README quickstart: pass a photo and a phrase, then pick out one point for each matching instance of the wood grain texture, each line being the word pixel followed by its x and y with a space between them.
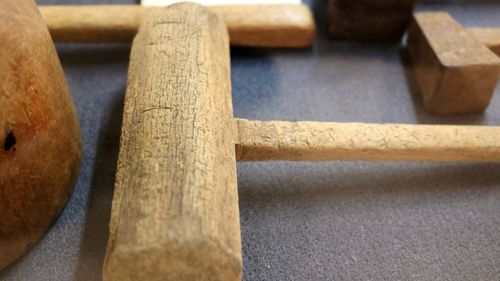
pixel 456 73
pixel 285 25
pixel 380 20
pixel 489 37
pixel 175 208
pixel 39 132
pixel 321 141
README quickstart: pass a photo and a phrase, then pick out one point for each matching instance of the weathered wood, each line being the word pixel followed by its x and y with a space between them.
pixel 175 208
pixel 489 37
pixel 39 133
pixel 322 141
pixel 456 73
pixel 384 20
pixel 249 25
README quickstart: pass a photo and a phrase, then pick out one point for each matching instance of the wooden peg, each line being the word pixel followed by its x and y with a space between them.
pixel 278 25
pixel 456 73
pixel 175 208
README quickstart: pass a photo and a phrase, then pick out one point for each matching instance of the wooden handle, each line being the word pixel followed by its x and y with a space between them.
pixel 317 141
pixel 290 25
pixel 175 208
pixel 488 36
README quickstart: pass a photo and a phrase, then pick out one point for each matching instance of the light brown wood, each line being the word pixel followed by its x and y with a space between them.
pixel 456 73
pixel 321 141
pixel 39 133
pixel 175 208
pixel 285 25
pixel 489 37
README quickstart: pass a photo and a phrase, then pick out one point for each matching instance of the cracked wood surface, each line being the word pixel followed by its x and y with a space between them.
pixel 175 207
pixel 322 141
pixel 279 25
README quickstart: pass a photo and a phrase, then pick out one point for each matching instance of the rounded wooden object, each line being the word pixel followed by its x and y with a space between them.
pixel 39 132
pixel 175 207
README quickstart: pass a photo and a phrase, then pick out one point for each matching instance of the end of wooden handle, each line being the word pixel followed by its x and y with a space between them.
pixel 279 25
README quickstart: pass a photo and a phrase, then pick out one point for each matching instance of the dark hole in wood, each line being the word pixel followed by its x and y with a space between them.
pixel 10 141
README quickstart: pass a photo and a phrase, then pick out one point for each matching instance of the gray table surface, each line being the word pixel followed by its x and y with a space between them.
pixel 301 221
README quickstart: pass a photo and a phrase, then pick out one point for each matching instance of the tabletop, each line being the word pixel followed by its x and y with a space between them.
pixel 301 221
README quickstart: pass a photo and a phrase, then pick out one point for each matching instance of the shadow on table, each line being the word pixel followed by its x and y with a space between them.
pixel 349 181
pixel 95 233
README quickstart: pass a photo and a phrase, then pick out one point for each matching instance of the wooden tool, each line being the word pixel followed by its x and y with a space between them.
pixel 278 25
pixel 175 209
pixel 456 72
pixel 39 131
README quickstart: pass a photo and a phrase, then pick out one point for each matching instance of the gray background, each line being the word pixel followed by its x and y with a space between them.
pixel 302 221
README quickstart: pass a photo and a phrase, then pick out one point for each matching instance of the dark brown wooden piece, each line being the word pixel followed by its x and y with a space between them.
pixel 383 20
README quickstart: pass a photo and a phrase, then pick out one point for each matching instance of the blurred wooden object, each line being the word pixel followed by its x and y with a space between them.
pixel 489 37
pixel 378 20
pixel 457 74
pixel 279 25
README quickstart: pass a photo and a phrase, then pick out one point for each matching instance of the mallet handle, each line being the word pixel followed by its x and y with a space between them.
pixel 278 25
pixel 175 207
pixel 488 36
pixel 321 141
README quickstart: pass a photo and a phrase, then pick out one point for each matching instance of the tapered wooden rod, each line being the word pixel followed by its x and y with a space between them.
pixel 317 141
pixel 488 36
pixel 278 25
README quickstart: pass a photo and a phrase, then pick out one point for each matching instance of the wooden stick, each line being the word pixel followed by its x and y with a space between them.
pixel 175 208
pixel 286 25
pixel 489 37
pixel 316 141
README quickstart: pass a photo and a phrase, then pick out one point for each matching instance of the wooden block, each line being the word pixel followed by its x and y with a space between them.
pixel 384 20
pixel 456 73
pixel 175 207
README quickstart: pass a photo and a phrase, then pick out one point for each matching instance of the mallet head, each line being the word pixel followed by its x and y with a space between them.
pixel 456 73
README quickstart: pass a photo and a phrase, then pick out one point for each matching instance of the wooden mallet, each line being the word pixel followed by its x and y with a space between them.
pixel 454 68
pixel 175 209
